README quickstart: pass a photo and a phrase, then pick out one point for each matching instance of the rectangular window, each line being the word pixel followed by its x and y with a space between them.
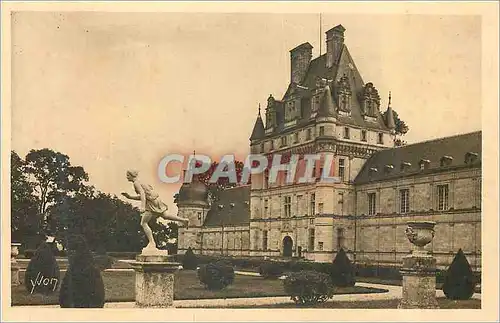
pixel 288 206
pixel 266 208
pixel 380 138
pixel 341 168
pixel 272 144
pixel 320 208
pixel 340 238
pixel 404 201
pixel 264 240
pixel 262 147
pixel 296 137
pixel 442 197
pixel 320 246
pixel 363 135
pixel 311 240
pixel 322 131
pixel 283 141
pixel 199 215
pixel 346 133
pixel 313 204
pixel 308 134
pixel 371 203
pixel 299 204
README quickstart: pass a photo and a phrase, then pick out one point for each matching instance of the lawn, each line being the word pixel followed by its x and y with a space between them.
pixel 119 287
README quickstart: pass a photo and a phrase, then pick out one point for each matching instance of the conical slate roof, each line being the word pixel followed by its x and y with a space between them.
pixel 258 131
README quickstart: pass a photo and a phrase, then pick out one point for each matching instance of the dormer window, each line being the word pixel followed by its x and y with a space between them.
pixel 446 161
pixel 344 94
pixel 470 157
pixel 405 166
pixel 424 164
pixel 388 168
pixel 272 144
pixel 262 147
pixel 221 206
pixel 371 100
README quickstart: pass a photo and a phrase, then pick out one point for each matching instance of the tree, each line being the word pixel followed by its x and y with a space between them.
pixel 23 203
pixel 400 130
pixel 82 286
pixel 342 270
pixel 459 282
pixel 42 273
pixel 54 179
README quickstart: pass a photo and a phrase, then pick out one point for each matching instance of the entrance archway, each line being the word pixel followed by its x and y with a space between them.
pixel 287 246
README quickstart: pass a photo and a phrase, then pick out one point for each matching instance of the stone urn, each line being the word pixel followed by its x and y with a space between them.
pixel 420 234
pixel 14 251
pixel 14 268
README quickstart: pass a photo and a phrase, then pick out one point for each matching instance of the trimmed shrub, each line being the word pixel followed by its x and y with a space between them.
pixel 343 274
pixel 308 287
pixel 104 262
pixel 42 274
pixel 82 286
pixel 189 261
pixel 271 270
pixel 459 280
pixel 216 275
pixel 29 253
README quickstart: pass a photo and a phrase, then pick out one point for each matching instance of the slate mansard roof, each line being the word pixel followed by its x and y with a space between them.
pixel 437 155
pixel 232 208
pixel 344 66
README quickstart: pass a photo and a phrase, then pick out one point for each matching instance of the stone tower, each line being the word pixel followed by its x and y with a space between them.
pixel 192 203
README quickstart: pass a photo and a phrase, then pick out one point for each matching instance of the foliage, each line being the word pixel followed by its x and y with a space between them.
pixel 459 281
pixel 53 177
pixel 308 287
pixel 271 270
pixel 82 286
pixel 189 261
pixel 343 274
pixel 216 275
pixel 24 205
pixel 42 274
pixel 400 130
pixel 104 262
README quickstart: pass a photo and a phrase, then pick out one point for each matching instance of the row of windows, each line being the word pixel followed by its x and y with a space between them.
pixel 287 202
pixel 311 240
pixel 295 137
pixel 404 200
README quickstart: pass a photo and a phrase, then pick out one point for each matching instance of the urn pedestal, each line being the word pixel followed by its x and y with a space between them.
pixel 154 279
pixel 14 266
pixel 419 269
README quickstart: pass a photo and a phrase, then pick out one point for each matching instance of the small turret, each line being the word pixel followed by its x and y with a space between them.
pixel 258 129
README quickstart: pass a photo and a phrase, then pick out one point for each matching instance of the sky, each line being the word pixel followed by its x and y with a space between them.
pixel 118 91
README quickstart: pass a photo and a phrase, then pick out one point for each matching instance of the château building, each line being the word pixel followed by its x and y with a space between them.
pixel 328 109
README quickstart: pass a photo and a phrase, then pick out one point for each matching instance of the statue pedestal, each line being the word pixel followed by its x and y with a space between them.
pixel 419 282
pixel 154 279
pixel 14 266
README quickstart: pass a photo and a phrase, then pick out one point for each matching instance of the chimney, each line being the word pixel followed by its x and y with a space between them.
pixel 300 57
pixel 334 44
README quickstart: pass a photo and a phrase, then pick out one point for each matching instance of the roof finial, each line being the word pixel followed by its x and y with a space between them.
pixel 389 99
pixel 259 109
pixel 194 153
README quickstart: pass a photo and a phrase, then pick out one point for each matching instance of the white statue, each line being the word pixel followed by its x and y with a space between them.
pixel 151 207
